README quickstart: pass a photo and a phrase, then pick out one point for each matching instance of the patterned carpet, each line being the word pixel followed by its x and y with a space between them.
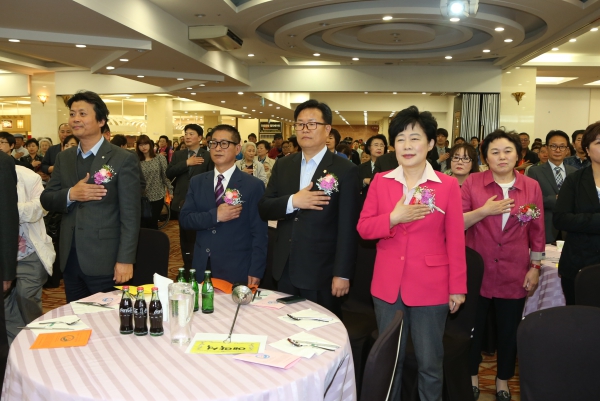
pixel 55 297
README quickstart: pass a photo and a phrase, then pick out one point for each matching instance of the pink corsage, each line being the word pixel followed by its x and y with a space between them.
pixel 425 196
pixel 232 197
pixel 104 175
pixel 527 213
pixel 328 183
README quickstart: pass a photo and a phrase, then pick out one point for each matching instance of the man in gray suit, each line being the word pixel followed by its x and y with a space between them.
pixel 550 176
pixel 94 185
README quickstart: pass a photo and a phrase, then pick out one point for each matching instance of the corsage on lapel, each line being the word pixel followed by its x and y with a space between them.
pixel 232 197
pixel 328 183
pixel 104 175
pixel 527 213
pixel 425 196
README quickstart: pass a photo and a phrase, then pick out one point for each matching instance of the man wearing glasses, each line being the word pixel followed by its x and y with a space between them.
pixel 550 176
pixel 230 239
pixel 184 165
pixel 314 195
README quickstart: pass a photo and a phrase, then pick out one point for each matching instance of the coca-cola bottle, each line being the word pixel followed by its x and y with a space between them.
pixel 156 314
pixel 126 312
pixel 140 314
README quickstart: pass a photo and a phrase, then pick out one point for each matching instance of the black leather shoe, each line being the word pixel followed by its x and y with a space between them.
pixel 502 396
pixel 475 392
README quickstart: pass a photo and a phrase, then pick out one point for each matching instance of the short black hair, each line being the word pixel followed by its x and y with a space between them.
pixel 475 137
pixel 344 147
pixel 166 138
pixel 266 144
pixel 253 135
pixel 294 141
pixel 336 136
pixel 277 136
pixel 194 127
pixel 538 140
pixel 459 138
pixel 95 100
pixel 470 151
pixel 411 116
pixel 231 129
pixel 315 104
pixel 119 140
pixel 32 140
pixel 9 138
pixel 371 139
pixel 576 133
pixel 441 131
pixel 554 133
pixel 499 134
pixel 591 133
pixel 68 138
pixel 524 133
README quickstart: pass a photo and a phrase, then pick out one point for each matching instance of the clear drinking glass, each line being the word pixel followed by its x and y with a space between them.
pixel 181 312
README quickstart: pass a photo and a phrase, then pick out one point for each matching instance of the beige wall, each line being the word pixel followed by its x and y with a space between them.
pixel 518 116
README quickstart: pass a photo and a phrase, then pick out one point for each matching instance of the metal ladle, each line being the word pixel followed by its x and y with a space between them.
pixel 241 295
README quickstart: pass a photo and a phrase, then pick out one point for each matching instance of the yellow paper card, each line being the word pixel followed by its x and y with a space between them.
pixel 133 289
pixel 221 348
pixel 62 339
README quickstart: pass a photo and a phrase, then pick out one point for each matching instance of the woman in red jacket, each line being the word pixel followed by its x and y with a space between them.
pixel 420 267
pixel 504 218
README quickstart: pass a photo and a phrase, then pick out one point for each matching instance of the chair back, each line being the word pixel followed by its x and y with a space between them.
pixel 152 256
pixel 587 286
pixel 558 354
pixel 381 363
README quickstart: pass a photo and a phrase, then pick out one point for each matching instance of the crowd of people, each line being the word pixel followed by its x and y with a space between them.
pixel 422 200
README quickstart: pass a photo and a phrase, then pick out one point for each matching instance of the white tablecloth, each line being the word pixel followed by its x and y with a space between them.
pixel 126 367
pixel 549 293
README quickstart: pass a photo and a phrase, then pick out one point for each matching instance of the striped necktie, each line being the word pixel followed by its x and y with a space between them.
pixel 559 177
pixel 219 190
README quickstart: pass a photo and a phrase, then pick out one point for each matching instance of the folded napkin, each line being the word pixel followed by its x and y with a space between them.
pixel 272 358
pixel 268 300
pixel 308 324
pixel 306 351
pixel 100 297
pixel 163 293
pixel 68 319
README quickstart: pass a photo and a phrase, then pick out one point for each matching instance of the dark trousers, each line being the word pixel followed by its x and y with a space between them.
pixel 3 345
pixel 508 315
pixel 187 239
pixel 323 296
pixel 568 287
pixel 79 285
pixel 152 222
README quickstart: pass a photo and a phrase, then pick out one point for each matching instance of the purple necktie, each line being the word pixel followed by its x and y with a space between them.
pixel 219 190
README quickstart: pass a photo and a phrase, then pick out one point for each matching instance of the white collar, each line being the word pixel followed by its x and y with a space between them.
pixel 428 175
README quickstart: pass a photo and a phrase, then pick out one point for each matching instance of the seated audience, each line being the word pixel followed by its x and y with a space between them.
pixel 249 163
pixel 262 156
pixel 580 159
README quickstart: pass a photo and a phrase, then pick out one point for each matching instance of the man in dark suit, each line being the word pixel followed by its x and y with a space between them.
pixel 231 239
pixel 314 195
pixel 551 176
pixel 50 157
pixel 440 153
pixel 9 237
pixel 95 186
pixel 184 165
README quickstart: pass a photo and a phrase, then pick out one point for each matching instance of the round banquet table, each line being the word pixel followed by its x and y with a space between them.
pixel 125 367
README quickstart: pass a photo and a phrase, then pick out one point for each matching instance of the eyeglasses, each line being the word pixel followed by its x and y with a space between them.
pixel 224 144
pixel 311 125
pixel 465 159
pixel 377 145
pixel 556 147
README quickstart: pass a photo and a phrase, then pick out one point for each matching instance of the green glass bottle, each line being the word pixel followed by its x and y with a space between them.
pixel 181 276
pixel 208 294
pixel 194 283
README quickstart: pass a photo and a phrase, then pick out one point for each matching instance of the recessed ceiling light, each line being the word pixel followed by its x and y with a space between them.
pixel 423 93
pixel 508 72
pixel 277 107
pixel 486 50
pixel 517 68
pixel 387 18
pixel 193 93
pixel 260 112
pixel 572 40
pixel 202 85
pixel 454 19
pixel 253 110
pixel 80 46
pixel 240 93
pixel 499 29
pixel 222 101
pixel 200 15
pixel 140 76
pixel 355 59
pixel 324 24
pixel 395 93
pixel 316 54
pixel 244 107
pixel 448 57
pixel 366 93
pixel 508 40
pixel 124 60
pixel 555 49
pixel 593 29
pixel 189 88
pixel 110 68
pixel 14 40
pixel 180 79
pixel 251 55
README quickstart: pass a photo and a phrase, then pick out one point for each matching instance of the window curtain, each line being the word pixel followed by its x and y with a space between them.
pixel 480 114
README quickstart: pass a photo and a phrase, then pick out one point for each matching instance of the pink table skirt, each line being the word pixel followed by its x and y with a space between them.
pixel 125 367
pixel 549 293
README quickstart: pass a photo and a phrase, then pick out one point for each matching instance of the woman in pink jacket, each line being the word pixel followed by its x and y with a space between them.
pixel 504 218
pixel 420 267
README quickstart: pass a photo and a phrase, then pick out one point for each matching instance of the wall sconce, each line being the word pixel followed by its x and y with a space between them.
pixel 43 99
pixel 518 96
